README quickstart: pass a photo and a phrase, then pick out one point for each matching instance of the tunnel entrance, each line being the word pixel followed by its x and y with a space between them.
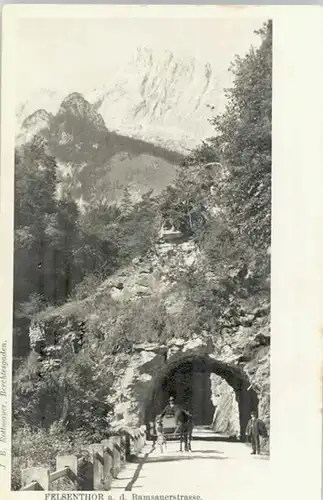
pixel 189 381
pixel 190 384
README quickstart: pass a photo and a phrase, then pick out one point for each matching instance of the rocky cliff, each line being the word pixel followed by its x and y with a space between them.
pixel 94 163
pixel 165 103
pixel 184 314
pixel 235 361
pixel 156 96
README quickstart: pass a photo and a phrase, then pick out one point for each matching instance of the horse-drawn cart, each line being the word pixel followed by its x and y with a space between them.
pixel 168 426
pixel 177 426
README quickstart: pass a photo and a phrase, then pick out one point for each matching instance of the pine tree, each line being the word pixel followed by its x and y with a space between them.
pixel 126 202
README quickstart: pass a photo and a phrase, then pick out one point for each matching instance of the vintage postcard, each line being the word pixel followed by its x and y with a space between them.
pixel 136 360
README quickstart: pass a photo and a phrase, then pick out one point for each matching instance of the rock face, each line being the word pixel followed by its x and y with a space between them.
pixel 33 124
pixel 157 97
pixel 94 161
pixel 46 99
pixel 226 413
pixel 75 105
pixel 220 378
pixel 146 385
pixel 164 101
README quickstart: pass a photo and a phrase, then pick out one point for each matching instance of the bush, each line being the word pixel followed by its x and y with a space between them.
pixel 32 448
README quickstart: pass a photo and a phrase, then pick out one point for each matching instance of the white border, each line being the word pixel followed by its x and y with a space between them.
pixel 297 248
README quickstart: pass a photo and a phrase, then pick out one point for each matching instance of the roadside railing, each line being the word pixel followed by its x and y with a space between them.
pixel 95 471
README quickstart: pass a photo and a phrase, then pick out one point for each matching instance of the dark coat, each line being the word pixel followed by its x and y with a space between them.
pixel 182 417
pixel 169 411
pixel 256 428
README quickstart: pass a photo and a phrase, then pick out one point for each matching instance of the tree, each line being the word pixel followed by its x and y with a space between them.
pixel 185 204
pixel 226 182
pixel 35 184
pixel 244 134
pixel 126 202
pixel 221 198
pixel 46 235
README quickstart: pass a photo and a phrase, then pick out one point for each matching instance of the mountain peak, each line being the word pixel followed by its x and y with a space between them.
pixel 157 96
pixel 76 105
pixel 160 97
pixel 40 116
pixel 75 102
pixel 38 121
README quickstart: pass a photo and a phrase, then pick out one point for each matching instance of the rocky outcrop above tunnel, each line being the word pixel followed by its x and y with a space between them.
pixel 140 386
pixel 239 349
pixel 155 275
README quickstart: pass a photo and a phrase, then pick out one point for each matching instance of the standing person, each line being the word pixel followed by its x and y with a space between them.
pixel 152 431
pixel 255 429
pixel 161 440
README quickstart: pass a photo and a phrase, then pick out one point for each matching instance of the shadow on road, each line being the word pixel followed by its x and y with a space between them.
pixel 226 439
pixel 139 467
pixel 179 458
pixel 194 455
pixel 208 451
pixel 126 478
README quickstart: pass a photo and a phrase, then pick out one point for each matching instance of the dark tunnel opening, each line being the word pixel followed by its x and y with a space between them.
pixel 191 388
pixel 188 381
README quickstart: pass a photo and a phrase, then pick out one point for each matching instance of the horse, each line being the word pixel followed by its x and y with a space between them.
pixel 184 423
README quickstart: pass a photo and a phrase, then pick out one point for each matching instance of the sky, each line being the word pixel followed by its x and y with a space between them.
pixel 69 55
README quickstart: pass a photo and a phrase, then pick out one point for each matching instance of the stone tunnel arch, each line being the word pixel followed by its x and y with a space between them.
pixel 188 379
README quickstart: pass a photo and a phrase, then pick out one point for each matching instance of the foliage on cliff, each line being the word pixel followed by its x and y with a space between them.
pixel 236 237
pixel 56 246
pixel 245 139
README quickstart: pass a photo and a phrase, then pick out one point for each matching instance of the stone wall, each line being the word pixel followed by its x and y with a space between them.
pixel 226 410
pixel 238 354
pixel 141 384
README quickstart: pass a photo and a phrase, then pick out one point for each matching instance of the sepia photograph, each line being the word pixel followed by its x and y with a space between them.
pixel 142 250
